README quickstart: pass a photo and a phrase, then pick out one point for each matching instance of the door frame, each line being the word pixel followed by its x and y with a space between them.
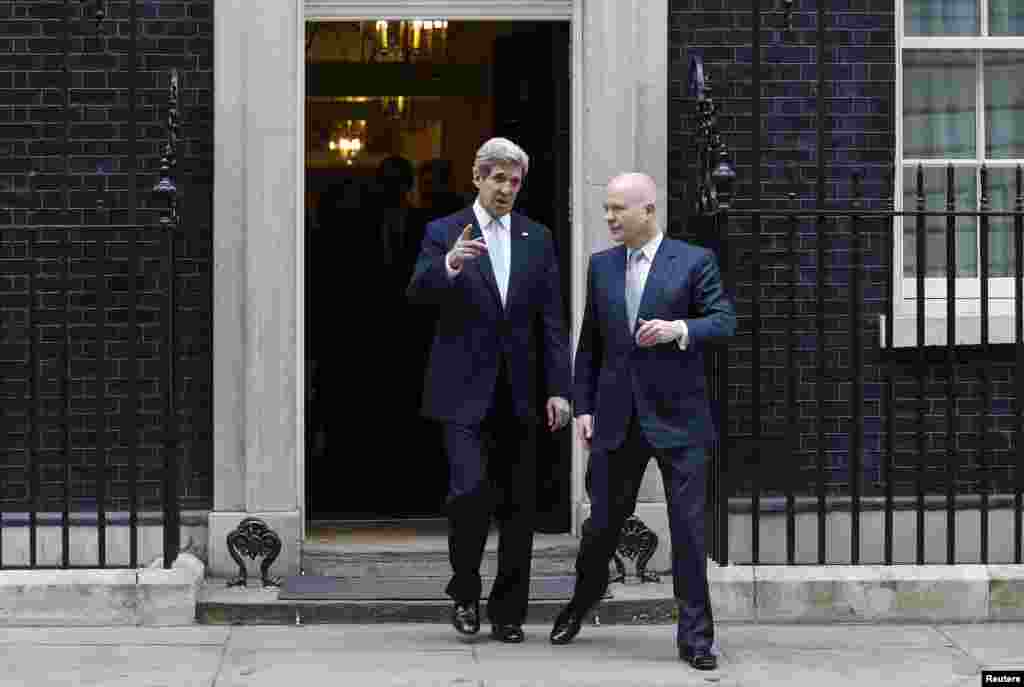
pixel 621 64
pixel 454 10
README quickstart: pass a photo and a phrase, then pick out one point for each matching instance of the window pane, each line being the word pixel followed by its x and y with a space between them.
pixel 1002 191
pixel 942 17
pixel 1005 18
pixel 1004 104
pixel 935 227
pixel 939 90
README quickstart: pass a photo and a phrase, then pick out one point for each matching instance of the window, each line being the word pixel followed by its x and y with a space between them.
pixel 960 101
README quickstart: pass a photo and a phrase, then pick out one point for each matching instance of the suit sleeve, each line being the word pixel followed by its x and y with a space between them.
pixel 430 283
pixel 589 354
pixel 556 337
pixel 716 315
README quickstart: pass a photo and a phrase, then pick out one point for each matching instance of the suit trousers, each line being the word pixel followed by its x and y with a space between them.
pixel 492 474
pixel 615 478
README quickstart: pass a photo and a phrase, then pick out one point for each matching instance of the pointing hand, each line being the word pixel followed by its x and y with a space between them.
pixel 465 248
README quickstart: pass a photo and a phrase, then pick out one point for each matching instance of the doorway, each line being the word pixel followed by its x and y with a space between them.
pixel 394 114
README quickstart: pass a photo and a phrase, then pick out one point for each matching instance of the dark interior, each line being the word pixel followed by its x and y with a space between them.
pixel 369 455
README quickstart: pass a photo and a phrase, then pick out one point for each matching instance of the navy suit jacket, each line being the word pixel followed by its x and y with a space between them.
pixel 666 385
pixel 474 332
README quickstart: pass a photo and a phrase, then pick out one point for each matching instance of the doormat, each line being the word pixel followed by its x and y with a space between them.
pixel 318 588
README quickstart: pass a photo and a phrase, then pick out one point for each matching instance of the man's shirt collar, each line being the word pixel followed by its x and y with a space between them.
pixel 484 218
pixel 649 249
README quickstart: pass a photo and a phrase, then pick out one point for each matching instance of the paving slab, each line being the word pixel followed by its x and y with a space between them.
pixel 349 638
pixel 664 672
pixel 110 666
pixel 846 637
pixel 850 654
pixel 869 667
pixel 273 668
pixel 622 647
pixel 993 645
pixel 195 635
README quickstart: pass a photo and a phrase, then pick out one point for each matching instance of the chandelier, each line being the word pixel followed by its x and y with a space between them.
pixel 409 40
pixel 396 107
pixel 349 141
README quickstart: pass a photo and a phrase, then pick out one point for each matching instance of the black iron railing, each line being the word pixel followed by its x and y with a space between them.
pixel 85 264
pixel 89 418
pixel 72 372
pixel 751 460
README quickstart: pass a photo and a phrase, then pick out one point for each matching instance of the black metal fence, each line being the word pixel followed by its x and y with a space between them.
pixel 928 450
pixel 90 419
pixel 100 304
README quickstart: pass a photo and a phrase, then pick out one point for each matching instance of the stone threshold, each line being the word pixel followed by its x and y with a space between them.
pixel 756 594
pixel 149 596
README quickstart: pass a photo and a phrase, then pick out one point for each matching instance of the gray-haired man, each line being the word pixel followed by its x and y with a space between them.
pixel 494 275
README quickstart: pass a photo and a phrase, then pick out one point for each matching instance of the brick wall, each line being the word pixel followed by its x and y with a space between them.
pixel 859 65
pixel 59 162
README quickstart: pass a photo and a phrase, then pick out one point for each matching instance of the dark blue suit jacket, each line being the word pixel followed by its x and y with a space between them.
pixel 474 332
pixel 613 374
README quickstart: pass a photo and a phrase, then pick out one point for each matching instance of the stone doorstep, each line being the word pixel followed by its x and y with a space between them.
pixel 428 557
pixel 763 594
pixel 148 596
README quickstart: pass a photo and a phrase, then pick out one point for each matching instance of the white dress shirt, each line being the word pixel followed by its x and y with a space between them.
pixel 650 249
pixel 495 232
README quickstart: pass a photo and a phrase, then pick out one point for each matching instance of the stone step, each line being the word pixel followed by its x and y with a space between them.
pixel 419 554
pixel 764 594
pixel 219 605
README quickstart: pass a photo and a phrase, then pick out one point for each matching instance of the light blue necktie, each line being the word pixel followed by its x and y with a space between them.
pixel 497 253
pixel 634 287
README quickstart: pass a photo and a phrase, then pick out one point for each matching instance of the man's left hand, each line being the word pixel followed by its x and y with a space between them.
pixel 654 332
pixel 558 413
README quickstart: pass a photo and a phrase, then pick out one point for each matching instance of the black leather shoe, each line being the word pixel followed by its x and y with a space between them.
pixel 700 660
pixel 510 634
pixel 466 617
pixel 567 626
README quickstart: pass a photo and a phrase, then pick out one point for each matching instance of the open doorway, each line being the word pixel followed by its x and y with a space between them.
pixel 394 114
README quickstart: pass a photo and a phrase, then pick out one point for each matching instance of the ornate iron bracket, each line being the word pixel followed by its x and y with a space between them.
pixel 166 188
pixel 715 174
pixel 253 538
pixel 638 543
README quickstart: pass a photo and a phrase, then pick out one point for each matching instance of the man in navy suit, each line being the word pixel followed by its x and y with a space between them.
pixel 494 275
pixel 639 391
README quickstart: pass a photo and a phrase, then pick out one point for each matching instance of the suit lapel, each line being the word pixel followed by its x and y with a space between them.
pixel 659 275
pixel 519 247
pixel 618 287
pixel 483 263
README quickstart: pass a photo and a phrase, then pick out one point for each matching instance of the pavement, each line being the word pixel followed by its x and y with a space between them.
pixel 395 655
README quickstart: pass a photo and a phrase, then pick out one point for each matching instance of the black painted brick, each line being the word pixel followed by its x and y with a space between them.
pixel 33 172
pixel 859 98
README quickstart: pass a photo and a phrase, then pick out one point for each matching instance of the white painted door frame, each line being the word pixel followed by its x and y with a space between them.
pixel 619 123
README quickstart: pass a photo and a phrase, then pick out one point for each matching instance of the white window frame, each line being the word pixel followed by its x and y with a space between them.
pixel 968 289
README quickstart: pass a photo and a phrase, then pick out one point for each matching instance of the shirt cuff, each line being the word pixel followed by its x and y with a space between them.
pixel 452 273
pixel 684 334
